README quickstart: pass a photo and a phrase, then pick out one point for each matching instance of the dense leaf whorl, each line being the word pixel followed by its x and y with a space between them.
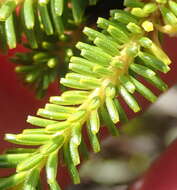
pixel 113 66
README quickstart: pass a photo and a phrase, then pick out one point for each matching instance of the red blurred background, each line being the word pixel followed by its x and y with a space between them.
pixel 17 101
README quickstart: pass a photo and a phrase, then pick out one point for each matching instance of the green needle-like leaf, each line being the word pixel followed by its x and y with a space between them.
pixel 111 67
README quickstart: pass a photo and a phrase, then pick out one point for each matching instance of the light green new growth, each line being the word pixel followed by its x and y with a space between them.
pixel 124 54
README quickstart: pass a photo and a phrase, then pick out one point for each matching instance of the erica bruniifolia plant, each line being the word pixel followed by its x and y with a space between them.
pixel 44 27
pixel 122 54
